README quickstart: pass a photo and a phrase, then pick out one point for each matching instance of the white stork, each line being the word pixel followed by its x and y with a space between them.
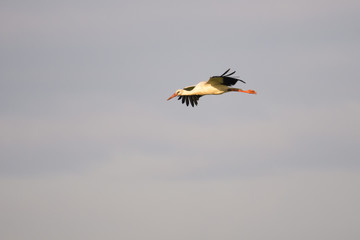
pixel 216 85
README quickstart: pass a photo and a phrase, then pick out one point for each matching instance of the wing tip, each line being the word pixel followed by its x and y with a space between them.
pixel 226 74
pixel 189 100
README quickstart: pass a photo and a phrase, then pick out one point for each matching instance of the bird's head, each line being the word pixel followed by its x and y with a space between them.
pixel 177 93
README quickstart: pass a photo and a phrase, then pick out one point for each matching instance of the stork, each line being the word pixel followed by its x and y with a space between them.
pixel 215 86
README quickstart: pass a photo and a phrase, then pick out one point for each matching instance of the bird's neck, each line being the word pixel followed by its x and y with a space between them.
pixel 186 93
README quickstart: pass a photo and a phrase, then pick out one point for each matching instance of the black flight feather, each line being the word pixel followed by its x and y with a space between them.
pixel 227 75
pixel 225 72
pixel 227 80
pixel 192 99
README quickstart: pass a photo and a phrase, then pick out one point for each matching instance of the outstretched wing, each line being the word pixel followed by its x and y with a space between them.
pixel 193 99
pixel 225 79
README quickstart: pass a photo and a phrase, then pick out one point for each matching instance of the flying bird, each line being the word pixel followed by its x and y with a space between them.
pixel 215 86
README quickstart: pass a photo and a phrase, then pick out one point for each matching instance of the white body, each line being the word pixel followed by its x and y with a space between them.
pixel 211 87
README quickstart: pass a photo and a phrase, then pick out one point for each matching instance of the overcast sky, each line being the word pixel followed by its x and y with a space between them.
pixel 91 149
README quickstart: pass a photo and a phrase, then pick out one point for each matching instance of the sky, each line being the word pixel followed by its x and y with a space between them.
pixel 91 149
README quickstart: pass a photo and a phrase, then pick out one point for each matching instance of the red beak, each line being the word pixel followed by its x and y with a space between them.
pixel 174 95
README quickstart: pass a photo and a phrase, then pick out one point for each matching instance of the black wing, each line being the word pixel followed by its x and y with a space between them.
pixel 193 99
pixel 227 80
pixel 223 75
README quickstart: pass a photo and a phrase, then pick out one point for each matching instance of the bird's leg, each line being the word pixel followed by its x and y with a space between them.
pixel 240 90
